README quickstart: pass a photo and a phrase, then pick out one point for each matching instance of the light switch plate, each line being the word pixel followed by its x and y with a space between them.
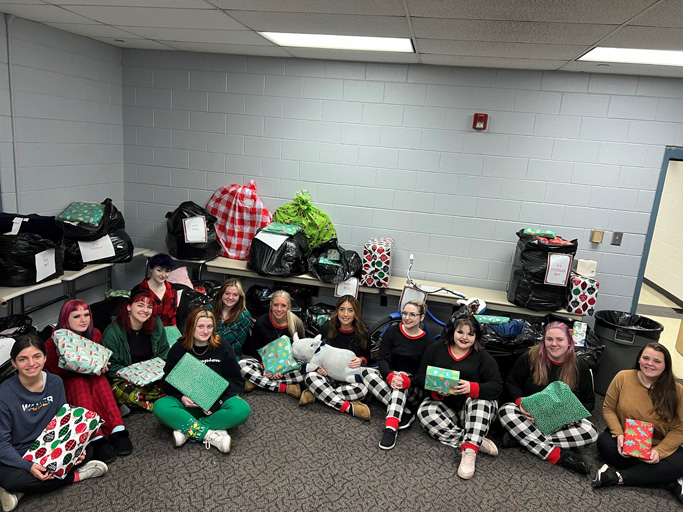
pixel 617 237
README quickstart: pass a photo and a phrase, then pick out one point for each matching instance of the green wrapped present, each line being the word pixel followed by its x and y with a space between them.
pixel 197 381
pixel 79 354
pixel 315 223
pixel 441 380
pixel 143 373
pixel 87 213
pixel 554 407
pixel 277 356
pixel 545 233
pixel 117 293
pixel 172 334
pixel 492 320
pixel 282 229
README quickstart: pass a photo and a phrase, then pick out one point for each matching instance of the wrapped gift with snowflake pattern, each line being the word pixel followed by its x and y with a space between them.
pixel 583 294
pixel 143 373
pixel 64 439
pixel 80 354
pixel 441 380
pixel 377 262
pixel 277 356
pixel 638 438
pixel 197 381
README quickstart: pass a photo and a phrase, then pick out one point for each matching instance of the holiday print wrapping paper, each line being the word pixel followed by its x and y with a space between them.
pixel 441 380
pixel 277 356
pixel 87 213
pixel 638 438
pixel 583 294
pixel 64 439
pixel 282 229
pixel 554 407
pixel 197 381
pixel 377 262
pixel 80 354
pixel 144 372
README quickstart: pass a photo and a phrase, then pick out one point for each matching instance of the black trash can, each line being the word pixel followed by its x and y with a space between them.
pixel 623 334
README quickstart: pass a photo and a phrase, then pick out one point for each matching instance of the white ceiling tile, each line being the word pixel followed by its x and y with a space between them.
pixel 244 37
pixel 385 7
pixel 646 37
pixel 94 30
pixel 43 13
pixel 266 51
pixel 491 62
pixel 575 11
pixel 319 53
pixel 180 4
pixel 146 44
pixel 149 17
pixel 666 14
pixel 624 69
pixel 496 49
pixel 383 26
pixel 510 31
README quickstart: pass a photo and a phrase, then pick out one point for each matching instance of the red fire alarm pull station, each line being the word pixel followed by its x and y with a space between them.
pixel 480 121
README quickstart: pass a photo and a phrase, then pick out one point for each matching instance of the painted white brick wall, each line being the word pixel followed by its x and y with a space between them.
pixel 7 184
pixel 388 150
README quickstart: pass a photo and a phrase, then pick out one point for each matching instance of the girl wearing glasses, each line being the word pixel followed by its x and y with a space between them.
pixel 400 353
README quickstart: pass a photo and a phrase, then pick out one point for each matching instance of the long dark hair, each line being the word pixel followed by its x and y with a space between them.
pixel 237 309
pixel 474 326
pixel 662 392
pixel 25 341
pixel 361 330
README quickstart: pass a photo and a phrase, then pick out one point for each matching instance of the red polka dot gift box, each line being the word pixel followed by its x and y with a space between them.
pixel 583 295
pixel 377 262
pixel 64 439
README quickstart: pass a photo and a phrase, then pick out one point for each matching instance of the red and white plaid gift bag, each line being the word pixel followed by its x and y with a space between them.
pixel 240 213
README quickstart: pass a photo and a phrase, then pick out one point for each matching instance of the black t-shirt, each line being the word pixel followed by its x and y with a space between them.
pixel 140 346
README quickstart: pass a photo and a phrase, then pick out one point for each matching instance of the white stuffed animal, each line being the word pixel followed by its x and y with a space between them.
pixel 314 352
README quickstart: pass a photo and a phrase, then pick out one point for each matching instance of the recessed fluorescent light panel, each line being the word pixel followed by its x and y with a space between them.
pixel 361 43
pixel 635 56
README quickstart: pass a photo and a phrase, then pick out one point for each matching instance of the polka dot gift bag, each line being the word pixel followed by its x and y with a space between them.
pixel 64 439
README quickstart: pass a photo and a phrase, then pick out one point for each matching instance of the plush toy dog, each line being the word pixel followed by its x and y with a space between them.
pixel 315 352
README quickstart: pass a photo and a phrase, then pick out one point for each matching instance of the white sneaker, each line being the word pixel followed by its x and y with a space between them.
pixel 92 469
pixel 467 463
pixel 218 438
pixel 179 438
pixel 489 448
pixel 9 500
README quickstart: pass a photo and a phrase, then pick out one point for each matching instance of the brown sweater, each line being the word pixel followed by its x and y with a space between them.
pixel 628 398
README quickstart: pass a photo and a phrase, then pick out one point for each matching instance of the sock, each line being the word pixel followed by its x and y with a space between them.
pixel 282 388
pixel 77 476
pixel 392 423
pixel 119 428
pixel 347 407
pixel 554 456
pixel 469 446
pixel 97 438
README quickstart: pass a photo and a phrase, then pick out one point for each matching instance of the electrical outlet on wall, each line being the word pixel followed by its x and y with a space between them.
pixel 617 237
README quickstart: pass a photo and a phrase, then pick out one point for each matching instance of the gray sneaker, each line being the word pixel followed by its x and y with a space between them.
pixel 92 469
pixel 9 500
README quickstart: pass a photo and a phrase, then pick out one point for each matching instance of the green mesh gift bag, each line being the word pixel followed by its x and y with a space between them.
pixel 315 223
pixel 554 407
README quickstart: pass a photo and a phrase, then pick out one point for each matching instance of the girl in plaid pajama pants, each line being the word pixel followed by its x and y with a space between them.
pixel 462 420
pixel 280 321
pixel 554 359
pixel 90 391
pixel 400 352
pixel 345 330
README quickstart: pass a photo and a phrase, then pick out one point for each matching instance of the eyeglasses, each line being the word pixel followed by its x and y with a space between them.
pixel 409 314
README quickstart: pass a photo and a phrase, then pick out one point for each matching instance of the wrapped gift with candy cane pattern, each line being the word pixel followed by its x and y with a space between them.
pixel 277 356
pixel 64 439
pixel 377 262
pixel 80 354
pixel 583 294
pixel 144 372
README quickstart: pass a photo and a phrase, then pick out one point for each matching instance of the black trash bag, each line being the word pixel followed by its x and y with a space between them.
pixel 503 350
pixel 18 252
pixel 16 325
pixel 105 311
pixel 190 299
pixel 123 251
pixel 258 300
pixel 112 219
pixel 640 325
pixel 316 316
pixel 301 295
pixel 526 287
pixel 175 234
pixel 286 261
pixel 210 287
pixel 325 268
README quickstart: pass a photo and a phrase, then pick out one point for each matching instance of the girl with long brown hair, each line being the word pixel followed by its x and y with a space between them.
pixel 552 360
pixel 234 321
pixel 180 412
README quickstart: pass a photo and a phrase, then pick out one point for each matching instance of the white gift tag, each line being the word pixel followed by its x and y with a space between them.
pixel 16 225
pixel 348 287
pixel 557 272
pixel 45 264
pixel 97 250
pixel 195 230
pixel 273 240
pixel 409 294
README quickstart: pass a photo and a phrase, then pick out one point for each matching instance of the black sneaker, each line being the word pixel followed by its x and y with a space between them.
pixel 509 441
pixel 407 419
pixel 605 477
pixel 103 451
pixel 388 439
pixel 573 462
pixel 121 442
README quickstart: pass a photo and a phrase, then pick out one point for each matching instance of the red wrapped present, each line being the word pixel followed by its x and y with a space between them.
pixel 377 262
pixel 638 438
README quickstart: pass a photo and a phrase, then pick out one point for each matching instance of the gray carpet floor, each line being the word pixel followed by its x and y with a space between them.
pixel 290 458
